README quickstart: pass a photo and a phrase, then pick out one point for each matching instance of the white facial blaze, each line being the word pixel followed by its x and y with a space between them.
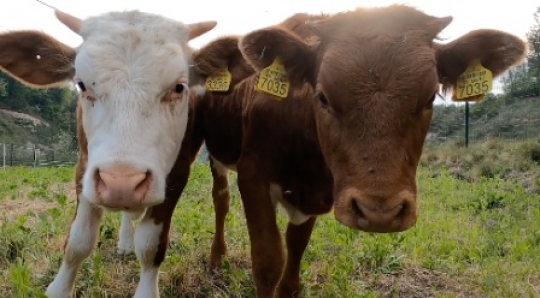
pixel 127 63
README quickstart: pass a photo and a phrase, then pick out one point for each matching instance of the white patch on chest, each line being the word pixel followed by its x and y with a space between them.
pixel 294 215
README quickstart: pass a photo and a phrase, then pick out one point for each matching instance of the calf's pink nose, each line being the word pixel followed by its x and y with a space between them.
pixel 122 186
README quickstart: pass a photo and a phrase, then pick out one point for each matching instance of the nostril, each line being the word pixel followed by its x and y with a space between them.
pixel 403 210
pixel 357 210
pixel 144 185
pixel 99 182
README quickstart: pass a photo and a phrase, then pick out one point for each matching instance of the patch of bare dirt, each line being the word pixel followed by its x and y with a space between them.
pixel 23 204
pixel 67 188
pixel 24 117
pixel 420 283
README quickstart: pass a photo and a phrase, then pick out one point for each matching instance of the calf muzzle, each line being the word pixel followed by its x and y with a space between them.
pixel 122 187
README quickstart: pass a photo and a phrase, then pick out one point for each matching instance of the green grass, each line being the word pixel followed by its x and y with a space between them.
pixel 474 238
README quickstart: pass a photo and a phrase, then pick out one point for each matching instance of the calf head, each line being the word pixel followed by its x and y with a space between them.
pixel 132 72
pixel 376 73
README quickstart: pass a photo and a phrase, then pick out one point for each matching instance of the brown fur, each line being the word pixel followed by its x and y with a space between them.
pixel 19 58
pixel 379 70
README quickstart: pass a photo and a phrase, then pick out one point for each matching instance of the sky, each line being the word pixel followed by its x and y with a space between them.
pixel 242 16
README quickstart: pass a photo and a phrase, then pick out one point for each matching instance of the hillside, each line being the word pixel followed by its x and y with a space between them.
pixel 42 117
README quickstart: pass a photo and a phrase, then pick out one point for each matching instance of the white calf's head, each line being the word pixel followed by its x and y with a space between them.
pixel 132 70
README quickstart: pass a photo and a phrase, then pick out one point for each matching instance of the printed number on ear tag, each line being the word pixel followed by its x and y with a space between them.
pixel 273 80
pixel 473 84
pixel 219 82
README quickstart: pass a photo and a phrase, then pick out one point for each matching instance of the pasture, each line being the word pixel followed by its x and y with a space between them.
pixel 478 235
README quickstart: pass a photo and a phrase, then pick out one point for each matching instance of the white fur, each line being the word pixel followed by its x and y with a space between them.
pixel 146 245
pixel 126 62
pixel 231 167
pixel 81 242
pixel 127 231
pixel 294 215
pixel 199 90
pixel 222 170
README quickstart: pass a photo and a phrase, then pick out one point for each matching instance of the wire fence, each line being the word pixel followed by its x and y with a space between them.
pixel 513 116
pixel 523 125
pixel 14 155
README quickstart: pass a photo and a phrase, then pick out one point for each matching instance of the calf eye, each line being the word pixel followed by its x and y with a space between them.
pixel 432 99
pixel 322 99
pixel 429 104
pixel 179 88
pixel 81 86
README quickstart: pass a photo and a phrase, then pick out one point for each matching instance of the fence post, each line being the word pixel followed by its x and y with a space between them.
pixel 466 124
pixel 11 156
pixel 4 155
pixel 36 156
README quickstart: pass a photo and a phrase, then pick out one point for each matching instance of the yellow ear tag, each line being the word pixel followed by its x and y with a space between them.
pixel 219 82
pixel 273 80
pixel 473 84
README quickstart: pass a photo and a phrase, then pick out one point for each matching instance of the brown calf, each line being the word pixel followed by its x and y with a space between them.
pixel 212 110
pixel 348 136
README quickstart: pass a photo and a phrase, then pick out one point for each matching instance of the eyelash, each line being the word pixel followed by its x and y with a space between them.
pixel 322 99
pixel 433 97
pixel 81 86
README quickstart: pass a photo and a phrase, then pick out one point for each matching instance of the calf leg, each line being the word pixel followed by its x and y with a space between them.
pixel 220 194
pixel 266 250
pixel 127 230
pixel 297 239
pixel 151 239
pixel 80 242
pixel 152 234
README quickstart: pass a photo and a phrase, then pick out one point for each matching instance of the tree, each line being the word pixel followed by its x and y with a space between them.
pixel 3 86
pixel 533 38
pixel 524 80
pixel 54 105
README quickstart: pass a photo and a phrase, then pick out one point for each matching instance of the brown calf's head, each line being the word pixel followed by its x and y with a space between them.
pixel 132 70
pixel 376 73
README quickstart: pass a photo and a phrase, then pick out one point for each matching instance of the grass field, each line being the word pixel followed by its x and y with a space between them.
pixel 478 235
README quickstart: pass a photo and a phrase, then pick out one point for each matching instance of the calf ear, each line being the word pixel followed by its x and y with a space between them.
pixel 36 59
pixel 261 47
pixel 219 54
pixel 496 51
